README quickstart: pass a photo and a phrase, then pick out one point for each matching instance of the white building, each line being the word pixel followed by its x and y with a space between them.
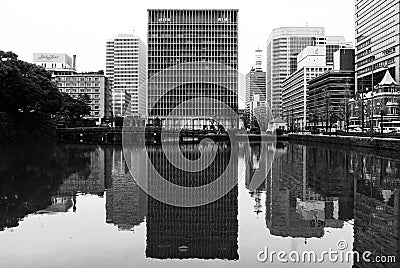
pixel 311 63
pixel 127 70
pixel 56 63
pixel 283 46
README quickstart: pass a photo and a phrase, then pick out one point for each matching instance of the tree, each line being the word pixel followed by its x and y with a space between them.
pixel 85 98
pixel 26 87
pixel 72 110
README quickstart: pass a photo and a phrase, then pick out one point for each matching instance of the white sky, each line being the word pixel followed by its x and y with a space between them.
pixel 81 27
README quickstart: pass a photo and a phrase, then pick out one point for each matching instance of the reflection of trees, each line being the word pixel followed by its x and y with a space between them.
pixel 30 176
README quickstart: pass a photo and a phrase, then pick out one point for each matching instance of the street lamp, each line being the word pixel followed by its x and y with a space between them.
pixel 380 107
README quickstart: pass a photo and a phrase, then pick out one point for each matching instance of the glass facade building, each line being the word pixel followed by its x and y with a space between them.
pixel 193 54
pixel 377 41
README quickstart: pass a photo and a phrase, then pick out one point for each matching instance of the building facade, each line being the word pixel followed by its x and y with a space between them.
pixel 192 54
pixel 93 85
pixel 255 85
pixel 283 46
pixel 56 63
pixel 380 106
pixel 328 99
pixel 126 69
pixel 311 63
pixel 377 25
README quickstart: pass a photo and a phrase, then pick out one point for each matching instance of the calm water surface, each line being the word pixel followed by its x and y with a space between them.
pixel 78 206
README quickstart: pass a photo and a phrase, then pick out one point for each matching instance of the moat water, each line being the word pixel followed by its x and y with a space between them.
pixel 80 206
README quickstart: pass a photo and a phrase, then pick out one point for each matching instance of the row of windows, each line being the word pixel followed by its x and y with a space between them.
pixel 363 17
pixel 68 78
pixel 376 28
pixel 375 20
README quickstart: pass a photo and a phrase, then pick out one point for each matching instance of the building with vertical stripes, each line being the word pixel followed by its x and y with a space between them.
pixel 126 70
pixel 192 54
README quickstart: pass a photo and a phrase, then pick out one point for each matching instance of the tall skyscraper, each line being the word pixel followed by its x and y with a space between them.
pixel 377 41
pixel 255 83
pixel 192 54
pixel 283 46
pixel 126 70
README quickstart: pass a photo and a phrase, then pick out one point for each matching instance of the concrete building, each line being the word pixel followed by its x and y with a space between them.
pixel 283 46
pixel 126 69
pixel 93 85
pixel 329 94
pixel 192 54
pixel 377 41
pixel 255 85
pixel 311 63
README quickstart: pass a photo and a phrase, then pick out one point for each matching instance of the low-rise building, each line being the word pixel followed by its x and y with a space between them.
pixel 328 99
pixel 93 85
pixel 381 105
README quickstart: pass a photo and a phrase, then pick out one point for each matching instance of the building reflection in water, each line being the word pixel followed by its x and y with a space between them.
pixel 204 232
pixel 376 211
pixel 306 191
pixel 309 188
pixel 126 203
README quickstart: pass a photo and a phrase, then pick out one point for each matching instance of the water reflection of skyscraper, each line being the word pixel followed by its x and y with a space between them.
pixel 205 232
pixel 126 203
pixel 295 204
pixel 258 157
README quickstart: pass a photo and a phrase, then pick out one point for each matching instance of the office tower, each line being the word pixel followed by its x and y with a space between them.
pixel 377 41
pixel 283 46
pixel 255 85
pixel 311 62
pixel 126 69
pixel 192 54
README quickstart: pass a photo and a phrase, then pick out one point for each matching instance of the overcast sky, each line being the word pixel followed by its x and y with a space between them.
pixel 81 27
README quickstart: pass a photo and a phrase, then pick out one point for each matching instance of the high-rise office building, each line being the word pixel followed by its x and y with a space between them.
pixel 126 70
pixel 192 54
pixel 377 41
pixel 255 84
pixel 283 46
pixel 311 63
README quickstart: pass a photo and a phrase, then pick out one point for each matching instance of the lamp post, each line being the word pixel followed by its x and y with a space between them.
pixel 380 107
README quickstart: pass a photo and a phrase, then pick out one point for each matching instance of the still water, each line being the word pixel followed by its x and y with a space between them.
pixel 79 206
